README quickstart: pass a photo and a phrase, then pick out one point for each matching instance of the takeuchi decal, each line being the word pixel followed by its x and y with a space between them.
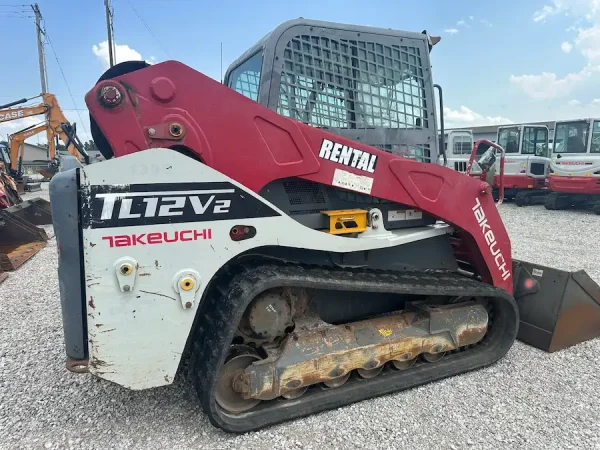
pixel 166 237
pixel 490 240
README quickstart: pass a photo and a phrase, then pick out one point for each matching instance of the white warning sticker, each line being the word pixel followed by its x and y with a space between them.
pixel 395 216
pixel 404 214
pixel 537 272
pixel 411 214
pixel 348 180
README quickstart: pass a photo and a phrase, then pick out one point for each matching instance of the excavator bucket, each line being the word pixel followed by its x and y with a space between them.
pixel 3 275
pixel 20 235
pixel 47 172
pixel 558 308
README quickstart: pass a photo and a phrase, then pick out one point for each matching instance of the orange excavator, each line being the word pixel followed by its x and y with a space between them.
pixel 56 126
pixel 21 222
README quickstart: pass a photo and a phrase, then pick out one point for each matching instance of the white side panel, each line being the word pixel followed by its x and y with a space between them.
pixel 576 164
pixel 138 323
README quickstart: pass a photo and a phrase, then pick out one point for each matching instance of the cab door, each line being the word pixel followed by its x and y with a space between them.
pixel 534 151
pixel 509 138
pixel 576 150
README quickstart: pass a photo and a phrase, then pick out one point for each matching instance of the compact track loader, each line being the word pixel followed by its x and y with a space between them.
pixel 290 231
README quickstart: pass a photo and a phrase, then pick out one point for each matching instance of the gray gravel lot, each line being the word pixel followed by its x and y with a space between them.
pixel 530 400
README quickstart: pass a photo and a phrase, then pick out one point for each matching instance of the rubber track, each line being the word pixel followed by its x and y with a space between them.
pixel 220 311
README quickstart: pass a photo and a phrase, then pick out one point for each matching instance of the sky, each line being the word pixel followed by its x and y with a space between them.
pixel 503 62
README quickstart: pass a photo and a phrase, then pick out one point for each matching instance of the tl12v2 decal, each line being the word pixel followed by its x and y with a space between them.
pixel 165 203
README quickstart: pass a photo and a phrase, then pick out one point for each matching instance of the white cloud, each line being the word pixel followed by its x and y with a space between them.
pixel 122 53
pixel 582 9
pixel 471 18
pixel 7 128
pixel 566 47
pixel 460 23
pixel 465 117
pixel 588 43
pixel 451 30
pixel 486 23
pixel 576 108
pixel 549 85
pixel 547 11
pixel 586 15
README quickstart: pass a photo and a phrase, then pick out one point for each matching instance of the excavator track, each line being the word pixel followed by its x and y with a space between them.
pixel 215 335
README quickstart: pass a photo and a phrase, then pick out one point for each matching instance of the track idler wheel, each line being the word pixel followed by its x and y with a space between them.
pixel 227 396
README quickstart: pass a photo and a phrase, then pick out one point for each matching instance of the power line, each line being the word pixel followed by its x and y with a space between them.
pixel 67 84
pixel 149 30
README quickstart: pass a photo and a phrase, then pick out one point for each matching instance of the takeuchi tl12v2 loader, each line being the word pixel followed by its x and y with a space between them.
pixel 292 233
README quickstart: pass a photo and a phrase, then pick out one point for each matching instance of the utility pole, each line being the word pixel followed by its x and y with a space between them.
pixel 42 59
pixel 109 29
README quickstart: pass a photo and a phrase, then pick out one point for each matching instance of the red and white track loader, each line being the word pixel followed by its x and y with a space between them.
pixel 290 231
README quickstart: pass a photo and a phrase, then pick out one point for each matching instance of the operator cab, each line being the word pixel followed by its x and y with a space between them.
pixel 527 153
pixel 459 145
pixel 576 150
pixel 371 85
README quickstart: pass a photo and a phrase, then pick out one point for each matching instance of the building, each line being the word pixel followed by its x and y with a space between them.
pixel 34 153
pixel 490 132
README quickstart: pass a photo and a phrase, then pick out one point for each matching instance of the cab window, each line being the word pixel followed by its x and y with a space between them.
pixel 571 137
pixel 509 140
pixel 595 138
pixel 535 141
pixel 245 78
pixel 463 145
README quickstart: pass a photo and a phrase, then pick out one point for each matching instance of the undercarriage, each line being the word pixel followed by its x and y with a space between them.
pixel 302 343
pixel 561 201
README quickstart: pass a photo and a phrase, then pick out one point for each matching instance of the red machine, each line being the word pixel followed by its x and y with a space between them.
pixel 575 165
pixel 302 269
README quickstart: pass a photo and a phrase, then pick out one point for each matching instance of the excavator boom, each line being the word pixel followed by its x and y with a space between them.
pixel 57 126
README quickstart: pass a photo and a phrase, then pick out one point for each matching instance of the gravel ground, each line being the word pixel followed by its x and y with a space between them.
pixel 530 400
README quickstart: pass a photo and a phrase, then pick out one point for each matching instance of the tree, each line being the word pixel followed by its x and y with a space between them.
pixel 90 146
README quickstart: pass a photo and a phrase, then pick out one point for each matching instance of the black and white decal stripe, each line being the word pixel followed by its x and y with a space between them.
pixel 116 206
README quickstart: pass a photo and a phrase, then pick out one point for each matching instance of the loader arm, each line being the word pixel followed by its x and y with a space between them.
pixel 170 105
